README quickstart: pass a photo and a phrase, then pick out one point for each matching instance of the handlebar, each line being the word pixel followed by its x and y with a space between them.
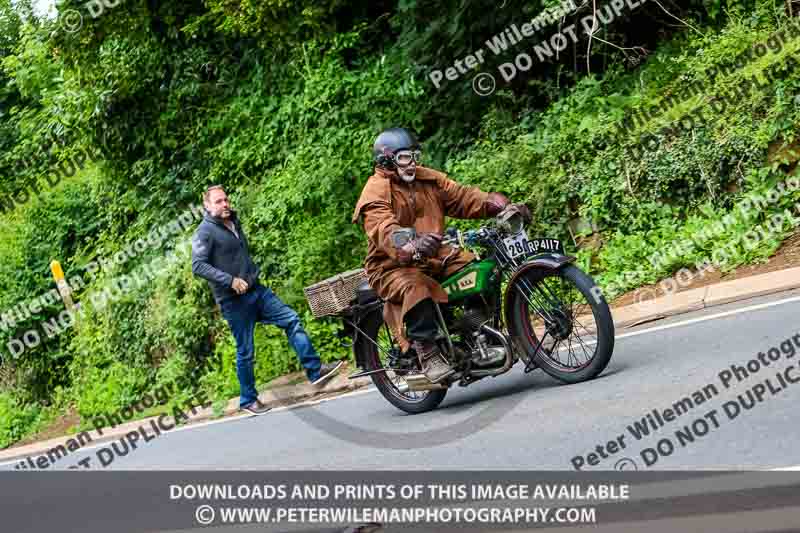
pixel 503 222
pixel 457 238
pixel 450 236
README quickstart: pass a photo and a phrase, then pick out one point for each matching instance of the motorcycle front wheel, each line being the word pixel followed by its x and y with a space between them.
pixel 565 315
pixel 374 345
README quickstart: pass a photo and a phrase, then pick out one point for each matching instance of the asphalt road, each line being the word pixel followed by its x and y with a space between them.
pixel 522 422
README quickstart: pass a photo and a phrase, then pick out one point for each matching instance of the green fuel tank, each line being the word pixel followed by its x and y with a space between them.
pixel 472 279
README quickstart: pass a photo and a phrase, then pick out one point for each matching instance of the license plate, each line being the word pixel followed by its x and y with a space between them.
pixel 521 245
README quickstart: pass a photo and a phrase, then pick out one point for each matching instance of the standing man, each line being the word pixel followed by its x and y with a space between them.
pixel 220 255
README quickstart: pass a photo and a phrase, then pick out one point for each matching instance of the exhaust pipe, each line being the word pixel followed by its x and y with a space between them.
pixel 417 383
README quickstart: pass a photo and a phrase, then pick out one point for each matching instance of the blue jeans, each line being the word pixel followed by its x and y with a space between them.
pixel 260 304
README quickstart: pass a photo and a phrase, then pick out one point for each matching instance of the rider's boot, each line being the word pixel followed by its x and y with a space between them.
pixel 432 361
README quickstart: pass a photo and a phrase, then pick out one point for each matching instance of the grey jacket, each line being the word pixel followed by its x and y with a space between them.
pixel 219 256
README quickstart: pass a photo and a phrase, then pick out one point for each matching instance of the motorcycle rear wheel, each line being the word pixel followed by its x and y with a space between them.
pixel 387 382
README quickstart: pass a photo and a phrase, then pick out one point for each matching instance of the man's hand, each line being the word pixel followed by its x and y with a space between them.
pixel 239 285
pixel 428 244
pixel 425 246
pixel 495 202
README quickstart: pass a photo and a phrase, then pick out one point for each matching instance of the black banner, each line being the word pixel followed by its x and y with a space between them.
pixel 123 502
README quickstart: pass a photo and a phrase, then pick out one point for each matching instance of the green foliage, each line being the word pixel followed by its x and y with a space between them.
pixel 45 229
pixel 685 246
pixel 16 419
pixel 571 162
pixel 274 21
pixel 104 389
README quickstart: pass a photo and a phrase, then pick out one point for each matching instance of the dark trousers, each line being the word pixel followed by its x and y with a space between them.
pixel 421 322
pixel 260 304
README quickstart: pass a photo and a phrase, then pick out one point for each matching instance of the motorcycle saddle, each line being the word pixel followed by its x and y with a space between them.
pixel 365 294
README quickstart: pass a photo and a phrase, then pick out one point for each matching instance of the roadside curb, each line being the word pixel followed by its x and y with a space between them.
pixel 705 297
pixel 624 317
pixel 278 396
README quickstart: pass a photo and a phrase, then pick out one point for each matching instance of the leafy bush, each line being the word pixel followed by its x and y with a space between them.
pixel 16 419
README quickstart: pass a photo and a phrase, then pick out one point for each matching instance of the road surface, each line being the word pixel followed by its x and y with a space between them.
pixel 530 422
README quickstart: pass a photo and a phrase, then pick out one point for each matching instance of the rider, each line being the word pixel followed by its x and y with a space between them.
pixel 402 195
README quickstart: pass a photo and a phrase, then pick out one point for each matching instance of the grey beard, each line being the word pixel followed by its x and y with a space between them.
pixel 408 179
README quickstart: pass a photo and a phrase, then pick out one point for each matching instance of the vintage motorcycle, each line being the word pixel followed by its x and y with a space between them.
pixel 521 299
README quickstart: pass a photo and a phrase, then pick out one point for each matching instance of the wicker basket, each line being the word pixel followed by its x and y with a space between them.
pixel 333 295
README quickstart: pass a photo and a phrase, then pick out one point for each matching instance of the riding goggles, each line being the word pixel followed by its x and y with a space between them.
pixel 404 157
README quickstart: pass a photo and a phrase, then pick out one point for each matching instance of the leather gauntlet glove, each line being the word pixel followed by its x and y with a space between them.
pixel 425 245
pixel 495 203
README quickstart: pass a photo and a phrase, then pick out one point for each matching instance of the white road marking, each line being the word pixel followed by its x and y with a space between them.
pixel 710 317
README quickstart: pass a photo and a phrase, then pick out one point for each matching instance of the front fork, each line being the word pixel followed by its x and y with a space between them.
pixel 518 282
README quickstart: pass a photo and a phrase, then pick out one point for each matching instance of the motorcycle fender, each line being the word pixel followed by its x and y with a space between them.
pixel 540 262
pixel 546 261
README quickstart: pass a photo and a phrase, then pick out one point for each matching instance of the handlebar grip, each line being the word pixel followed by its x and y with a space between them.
pixel 450 236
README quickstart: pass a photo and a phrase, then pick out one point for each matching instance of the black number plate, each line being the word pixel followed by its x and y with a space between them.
pixel 521 245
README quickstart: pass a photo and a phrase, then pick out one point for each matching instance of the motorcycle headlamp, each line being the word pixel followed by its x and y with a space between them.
pixel 511 220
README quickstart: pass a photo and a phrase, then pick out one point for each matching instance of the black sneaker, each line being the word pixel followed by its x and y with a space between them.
pixel 327 371
pixel 256 408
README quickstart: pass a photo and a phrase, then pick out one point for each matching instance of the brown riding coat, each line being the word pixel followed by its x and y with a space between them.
pixel 386 204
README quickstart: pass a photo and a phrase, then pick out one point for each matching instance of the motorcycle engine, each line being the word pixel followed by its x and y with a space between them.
pixel 485 351
pixel 473 315
pixel 473 319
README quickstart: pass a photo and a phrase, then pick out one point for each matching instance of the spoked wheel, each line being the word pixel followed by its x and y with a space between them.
pixel 376 351
pixel 573 323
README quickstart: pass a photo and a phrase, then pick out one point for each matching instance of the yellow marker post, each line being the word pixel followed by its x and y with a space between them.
pixel 63 287
pixel 58 273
